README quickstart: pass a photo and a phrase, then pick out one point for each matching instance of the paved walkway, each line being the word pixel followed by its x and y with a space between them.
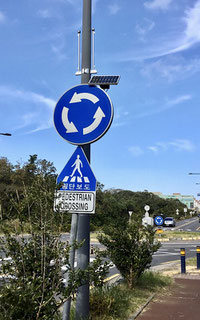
pixel 182 303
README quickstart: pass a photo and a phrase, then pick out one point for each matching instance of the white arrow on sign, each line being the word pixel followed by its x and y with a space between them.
pixel 68 125
pixel 99 115
pixel 77 97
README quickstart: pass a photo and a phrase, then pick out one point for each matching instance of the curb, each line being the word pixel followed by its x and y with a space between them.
pixel 136 314
pixel 183 238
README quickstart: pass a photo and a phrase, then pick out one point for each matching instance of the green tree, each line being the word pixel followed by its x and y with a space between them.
pixel 13 179
pixel 112 206
pixel 130 247
pixel 6 170
pixel 33 287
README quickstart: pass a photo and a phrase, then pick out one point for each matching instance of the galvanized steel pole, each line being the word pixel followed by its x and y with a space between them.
pixel 73 235
pixel 83 254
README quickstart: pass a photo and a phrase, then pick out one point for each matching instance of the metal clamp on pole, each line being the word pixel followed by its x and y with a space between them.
pixel 198 257
pixel 182 252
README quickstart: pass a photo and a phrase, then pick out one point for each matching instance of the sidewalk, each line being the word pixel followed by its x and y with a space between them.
pixel 183 301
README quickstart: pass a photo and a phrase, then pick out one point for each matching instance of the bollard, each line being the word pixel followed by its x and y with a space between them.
pixel 92 249
pixel 198 257
pixel 182 260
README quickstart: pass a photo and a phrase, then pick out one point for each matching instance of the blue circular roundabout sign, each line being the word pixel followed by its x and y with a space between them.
pixel 83 114
pixel 159 220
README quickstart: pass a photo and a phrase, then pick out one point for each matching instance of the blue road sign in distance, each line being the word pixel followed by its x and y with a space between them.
pixel 83 114
pixel 159 220
pixel 77 175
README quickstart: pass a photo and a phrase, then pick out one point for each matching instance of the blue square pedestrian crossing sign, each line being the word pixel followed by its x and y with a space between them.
pixel 77 193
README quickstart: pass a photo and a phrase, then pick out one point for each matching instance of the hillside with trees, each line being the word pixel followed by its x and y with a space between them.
pixel 112 206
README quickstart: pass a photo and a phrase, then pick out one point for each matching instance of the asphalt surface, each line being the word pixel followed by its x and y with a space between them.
pixel 170 251
pixel 191 224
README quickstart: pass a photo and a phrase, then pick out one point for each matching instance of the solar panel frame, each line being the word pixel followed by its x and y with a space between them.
pixel 104 80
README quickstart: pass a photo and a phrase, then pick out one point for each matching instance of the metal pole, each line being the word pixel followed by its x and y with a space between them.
pixel 83 253
pixel 73 234
pixel 6 134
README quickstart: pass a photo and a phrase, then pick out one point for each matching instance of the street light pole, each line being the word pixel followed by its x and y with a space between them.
pixel 193 173
pixel 5 134
pixel 185 211
pixel 83 232
pixel 130 214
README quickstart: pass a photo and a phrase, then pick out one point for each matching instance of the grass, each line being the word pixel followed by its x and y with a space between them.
pixel 166 234
pixel 13 226
pixel 94 235
pixel 118 302
pixel 191 262
pixel 177 235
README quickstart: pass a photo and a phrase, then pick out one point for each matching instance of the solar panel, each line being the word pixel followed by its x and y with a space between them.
pixel 104 80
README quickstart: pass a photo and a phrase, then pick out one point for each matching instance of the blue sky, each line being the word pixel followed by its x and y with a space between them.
pixel 154 45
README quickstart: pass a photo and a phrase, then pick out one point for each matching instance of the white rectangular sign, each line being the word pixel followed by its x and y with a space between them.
pixel 75 202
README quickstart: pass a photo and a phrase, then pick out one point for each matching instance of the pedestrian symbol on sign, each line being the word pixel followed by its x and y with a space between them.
pixel 78 163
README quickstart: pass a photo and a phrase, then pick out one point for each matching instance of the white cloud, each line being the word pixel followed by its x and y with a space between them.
pixel 114 8
pixel 174 43
pixel 176 145
pixel 26 95
pixel 171 68
pixel 178 100
pixel 157 4
pixel 36 114
pixel 153 148
pixel 165 106
pixel 162 145
pixel 191 34
pixel 145 27
pixel 44 13
pixel 58 46
pixel 58 50
pixel 182 145
pixel 192 20
pixel 135 151
pixel 2 17
pixel 120 118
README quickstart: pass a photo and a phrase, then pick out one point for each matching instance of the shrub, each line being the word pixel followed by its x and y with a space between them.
pixel 109 302
pixel 130 248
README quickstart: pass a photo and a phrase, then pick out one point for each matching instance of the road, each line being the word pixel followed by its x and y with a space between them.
pixel 169 251
pixel 191 224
